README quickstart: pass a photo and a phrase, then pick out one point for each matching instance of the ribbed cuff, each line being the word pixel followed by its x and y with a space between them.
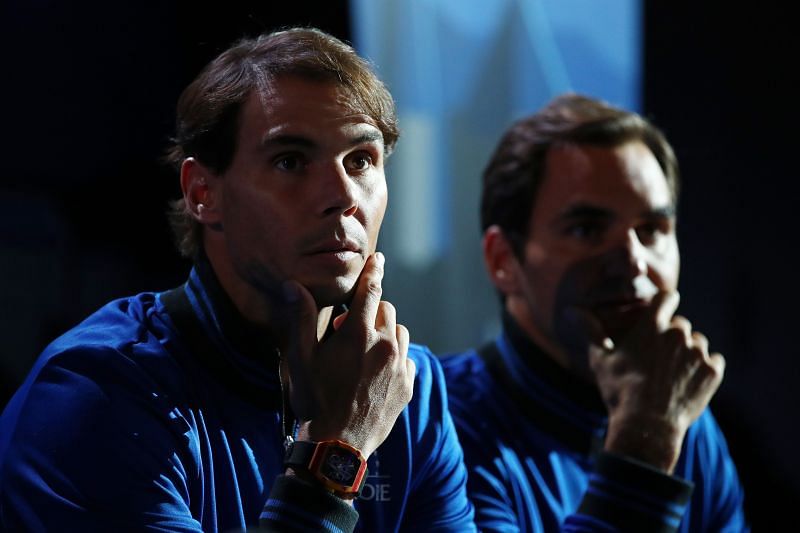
pixel 296 505
pixel 628 495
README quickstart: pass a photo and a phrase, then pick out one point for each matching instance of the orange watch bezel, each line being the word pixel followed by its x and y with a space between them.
pixel 315 465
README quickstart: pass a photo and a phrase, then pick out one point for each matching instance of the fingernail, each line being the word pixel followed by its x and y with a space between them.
pixel 608 345
pixel 380 259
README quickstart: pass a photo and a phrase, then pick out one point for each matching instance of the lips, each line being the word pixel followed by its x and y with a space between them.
pixel 619 315
pixel 621 304
pixel 335 246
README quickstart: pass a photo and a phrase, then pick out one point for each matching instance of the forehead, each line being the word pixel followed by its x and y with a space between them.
pixel 290 105
pixel 626 176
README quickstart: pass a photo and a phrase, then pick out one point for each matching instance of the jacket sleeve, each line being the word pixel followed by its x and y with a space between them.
pixel 626 495
pixel 508 488
pixel 84 450
pixel 86 447
pixel 438 496
pixel 718 490
pixel 622 495
pixel 295 505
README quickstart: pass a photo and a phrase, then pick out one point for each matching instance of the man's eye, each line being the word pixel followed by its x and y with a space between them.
pixel 289 163
pixel 585 230
pixel 359 161
pixel 649 232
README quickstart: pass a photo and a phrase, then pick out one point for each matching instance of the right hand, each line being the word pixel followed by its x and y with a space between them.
pixel 354 385
pixel 655 382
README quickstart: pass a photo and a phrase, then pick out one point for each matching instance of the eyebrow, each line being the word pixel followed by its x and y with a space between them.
pixel 368 137
pixel 288 140
pixel 305 142
pixel 593 211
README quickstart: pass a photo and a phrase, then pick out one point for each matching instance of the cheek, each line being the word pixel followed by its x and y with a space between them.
pixel 664 269
pixel 575 281
pixel 373 208
pixel 257 226
pixel 542 275
pixel 573 288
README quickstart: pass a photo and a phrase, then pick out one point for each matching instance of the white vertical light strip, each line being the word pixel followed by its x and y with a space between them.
pixel 413 193
pixel 422 223
pixel 407 56
pixel 461 71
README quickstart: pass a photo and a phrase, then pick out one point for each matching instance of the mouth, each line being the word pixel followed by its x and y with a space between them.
pixel 619 315
pixel 336 250
pixel 621 305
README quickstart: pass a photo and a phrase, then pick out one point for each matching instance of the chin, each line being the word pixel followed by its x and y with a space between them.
pixel 619 325
pixel 338 293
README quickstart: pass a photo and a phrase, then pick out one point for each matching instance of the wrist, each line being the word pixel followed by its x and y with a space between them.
pixel 651 440
pixel 315 432
pixel 333 465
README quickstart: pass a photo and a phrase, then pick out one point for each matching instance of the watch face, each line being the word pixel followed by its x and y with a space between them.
pixel 341 466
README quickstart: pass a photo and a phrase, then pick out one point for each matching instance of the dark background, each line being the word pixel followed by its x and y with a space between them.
pixel 88 94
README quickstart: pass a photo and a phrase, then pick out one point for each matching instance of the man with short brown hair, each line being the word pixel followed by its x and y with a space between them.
pixel 589 410
pixel 275 387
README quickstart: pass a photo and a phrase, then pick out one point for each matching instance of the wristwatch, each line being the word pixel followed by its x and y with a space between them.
pixel 339 467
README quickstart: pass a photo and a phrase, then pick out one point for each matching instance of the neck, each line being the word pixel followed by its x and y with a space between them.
pixel 261 306
pixel 520 312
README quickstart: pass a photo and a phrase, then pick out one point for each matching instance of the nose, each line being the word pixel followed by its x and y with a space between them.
pixel 628 258
pixel 338 192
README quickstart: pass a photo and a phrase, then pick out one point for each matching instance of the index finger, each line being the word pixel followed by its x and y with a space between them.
pixel 662 308
pixel 364 307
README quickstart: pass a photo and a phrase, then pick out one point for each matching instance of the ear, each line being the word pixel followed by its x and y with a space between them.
pixel 201 192
pixel 501 263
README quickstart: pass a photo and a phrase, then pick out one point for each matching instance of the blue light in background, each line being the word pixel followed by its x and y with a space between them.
pixel 461 72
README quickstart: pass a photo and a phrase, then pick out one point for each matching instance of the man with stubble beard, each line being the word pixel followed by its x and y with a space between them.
pixel 590 409
pixel 275 388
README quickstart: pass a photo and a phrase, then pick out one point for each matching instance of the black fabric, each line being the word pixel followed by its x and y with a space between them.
pixel 583 442
pixel 316 502
pixel 579 391
pixel 608 502
pixel 178 307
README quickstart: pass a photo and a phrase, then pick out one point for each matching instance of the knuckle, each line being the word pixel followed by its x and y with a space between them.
pixel 387 306
pixel 374 288
pixel 385 345
pixel 717 363
pixel 402 332
pixel 700 339
pixel 409 392
pixel 681 323
pixel 409 386
pixel 676 336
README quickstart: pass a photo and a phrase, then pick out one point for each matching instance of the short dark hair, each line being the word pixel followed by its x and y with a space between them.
pixel 208 109
pixel 512 177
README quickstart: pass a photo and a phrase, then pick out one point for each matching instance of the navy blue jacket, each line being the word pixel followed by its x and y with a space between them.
pixel 532 436
pixel 123 426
